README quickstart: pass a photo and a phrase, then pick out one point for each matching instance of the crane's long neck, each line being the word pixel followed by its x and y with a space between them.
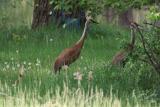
pixel 132 41
pixel 81 40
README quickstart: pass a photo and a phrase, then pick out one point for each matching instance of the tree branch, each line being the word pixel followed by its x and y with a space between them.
pixel 146 51
pixel 152 24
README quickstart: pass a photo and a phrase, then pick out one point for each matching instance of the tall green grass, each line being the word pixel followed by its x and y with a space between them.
pixel 37 50
pixel 68 98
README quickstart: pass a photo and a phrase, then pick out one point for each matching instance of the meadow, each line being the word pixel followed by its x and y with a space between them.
pixel 36 50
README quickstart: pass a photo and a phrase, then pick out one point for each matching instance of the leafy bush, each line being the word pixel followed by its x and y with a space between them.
pixel 75 6
pixel 146 55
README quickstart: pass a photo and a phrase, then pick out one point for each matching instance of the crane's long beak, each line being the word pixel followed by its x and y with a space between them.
pixel 94 21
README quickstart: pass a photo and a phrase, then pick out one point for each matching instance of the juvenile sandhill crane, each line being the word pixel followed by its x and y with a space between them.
pixel 70 55
pixel 122 55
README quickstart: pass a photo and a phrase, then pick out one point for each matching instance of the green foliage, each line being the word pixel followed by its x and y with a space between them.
pixel 140 60
pixel 122 5
pixel 154 13
pixel 78 5
pixel 39 49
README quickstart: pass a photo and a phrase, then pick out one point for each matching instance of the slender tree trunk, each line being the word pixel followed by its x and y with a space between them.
pixel 126 17
pixel 41 13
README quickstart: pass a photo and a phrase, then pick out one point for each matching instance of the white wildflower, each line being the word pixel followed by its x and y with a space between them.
pixel 18 65
pixel 37 64
pixel 13 68
pixel 29 63
pixel 50 39
pixel 24 62
pixel 7 66
pixel 5 63
pixel 85 68
pixel 17 51
pixel 38 61
pixel 78 76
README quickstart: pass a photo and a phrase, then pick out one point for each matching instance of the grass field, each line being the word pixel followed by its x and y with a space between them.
pixel 37 50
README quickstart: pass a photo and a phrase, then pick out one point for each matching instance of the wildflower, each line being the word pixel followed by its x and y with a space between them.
pixel 78 76
pixel 13 68
pixel 38 61
pixel 7 66
pixel 81 57
pixel 65 67
pixel 37 64
pixel 24 62
pixel 18 65
pixel 90 75
pixel 5 63
pixel 85 68
pixel 50 39
pixel 29 63
pixel 17 51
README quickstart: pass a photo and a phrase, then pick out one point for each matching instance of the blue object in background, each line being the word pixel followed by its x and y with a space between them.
pixel 72 23
pixel 67 21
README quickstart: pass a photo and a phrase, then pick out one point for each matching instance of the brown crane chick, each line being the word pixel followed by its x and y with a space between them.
pixel 120 57
pixel 70 55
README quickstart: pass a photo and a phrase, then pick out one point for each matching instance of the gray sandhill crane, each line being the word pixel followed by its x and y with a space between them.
pixel 69 55
pixel 122 54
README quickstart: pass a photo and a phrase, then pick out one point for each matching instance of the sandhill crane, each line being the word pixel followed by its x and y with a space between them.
pixel 122 54
pixel 70 55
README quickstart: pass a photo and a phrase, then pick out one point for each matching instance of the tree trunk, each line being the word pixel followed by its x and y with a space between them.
pixel 126 17
pixel 41 13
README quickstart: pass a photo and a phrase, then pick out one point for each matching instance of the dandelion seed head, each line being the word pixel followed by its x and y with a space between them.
pixel 85 68
pixel 5 63
pixel 7 66
pixel 50 39
pixel 29 63
pixel 37 64
pixel 38 61
pixel 18 65
pixel 78 76
pixel 17 51
pixel 24 62
pixel 81 57
pixel 13 68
